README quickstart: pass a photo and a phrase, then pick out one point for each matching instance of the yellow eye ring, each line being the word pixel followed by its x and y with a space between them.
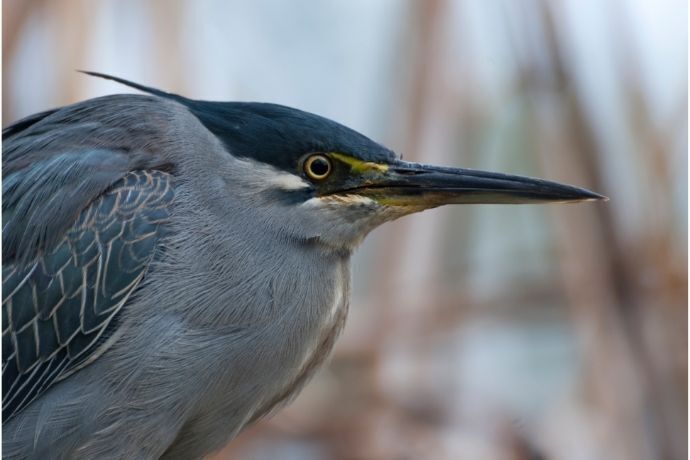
pixel 318 167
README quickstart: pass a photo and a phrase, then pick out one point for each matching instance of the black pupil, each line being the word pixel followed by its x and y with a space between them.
pixel 319 166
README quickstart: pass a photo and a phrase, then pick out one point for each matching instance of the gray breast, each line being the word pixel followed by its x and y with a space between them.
pixel 332 316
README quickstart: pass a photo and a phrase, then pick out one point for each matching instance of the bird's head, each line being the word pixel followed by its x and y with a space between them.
pixel 335 185
pixel 317 180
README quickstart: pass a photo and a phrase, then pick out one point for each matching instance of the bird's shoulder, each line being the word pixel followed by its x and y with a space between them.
pixel 56 163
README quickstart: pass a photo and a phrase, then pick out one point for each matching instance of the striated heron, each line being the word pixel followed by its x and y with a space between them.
pixel 175 269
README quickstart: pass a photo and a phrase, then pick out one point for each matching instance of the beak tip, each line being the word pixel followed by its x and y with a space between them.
pixel 576 195
pixel 592 196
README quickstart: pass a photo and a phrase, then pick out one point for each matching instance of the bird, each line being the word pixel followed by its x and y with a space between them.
pixel 176 269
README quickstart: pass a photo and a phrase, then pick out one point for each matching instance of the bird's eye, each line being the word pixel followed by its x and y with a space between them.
pixel 318 167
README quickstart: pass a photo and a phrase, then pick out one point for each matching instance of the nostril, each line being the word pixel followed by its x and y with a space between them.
pixel 408 172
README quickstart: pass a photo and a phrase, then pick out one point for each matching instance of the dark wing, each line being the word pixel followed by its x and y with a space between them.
pixel 59 311
pixel 86 189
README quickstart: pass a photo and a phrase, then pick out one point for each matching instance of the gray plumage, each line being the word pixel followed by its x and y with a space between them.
pixel 168 278
pixel 186 373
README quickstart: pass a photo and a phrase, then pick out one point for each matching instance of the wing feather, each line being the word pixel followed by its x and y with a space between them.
pixel 59 310
pixel 86 199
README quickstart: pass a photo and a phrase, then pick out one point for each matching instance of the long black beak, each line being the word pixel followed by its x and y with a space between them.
pixel 413 184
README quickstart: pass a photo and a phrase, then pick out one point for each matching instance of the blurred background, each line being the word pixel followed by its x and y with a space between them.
pixel 477 332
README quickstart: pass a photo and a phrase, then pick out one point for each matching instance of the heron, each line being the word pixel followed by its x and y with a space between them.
pixel 175 269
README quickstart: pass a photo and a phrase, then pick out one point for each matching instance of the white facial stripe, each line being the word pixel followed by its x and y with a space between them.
pixel 271 177
pixel 288 181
